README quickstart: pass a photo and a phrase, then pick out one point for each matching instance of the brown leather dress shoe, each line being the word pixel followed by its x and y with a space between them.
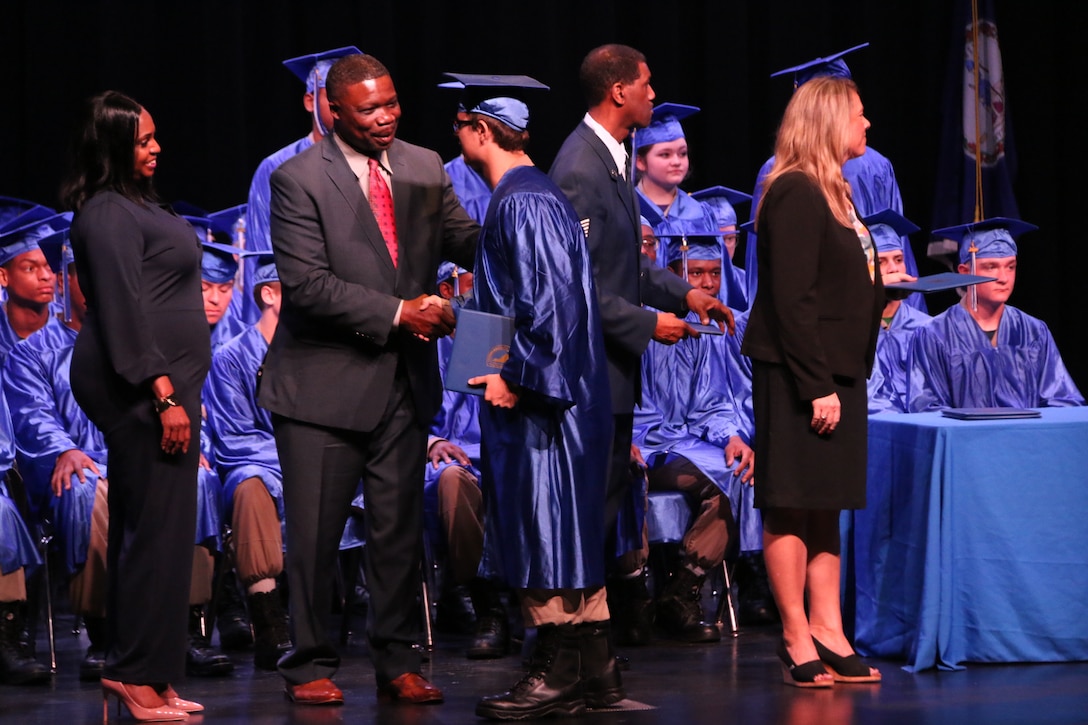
pixel 411 688
pixel 315 692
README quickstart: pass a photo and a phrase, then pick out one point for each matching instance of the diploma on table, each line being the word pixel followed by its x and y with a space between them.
pixel 939 282
pixel 990 413
pixel 481 345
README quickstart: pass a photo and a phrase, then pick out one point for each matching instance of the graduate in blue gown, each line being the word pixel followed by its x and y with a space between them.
pixel 312 70
pixel 661 165
pixel 871 176
pixel 244 451
pixel 984 352
pixel 473 193
pixel 721 201
pixel 29 282
pixel 61 454
pixel 18 559
pixel 545 420
pixel 230 223
pixel 899 322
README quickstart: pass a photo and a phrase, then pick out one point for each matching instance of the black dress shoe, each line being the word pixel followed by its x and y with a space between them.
pixel 492 637
pixel 202 659
pixel 553 685
pixel 90 669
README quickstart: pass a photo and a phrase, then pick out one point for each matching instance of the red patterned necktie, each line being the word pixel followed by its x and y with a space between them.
pixel 381 203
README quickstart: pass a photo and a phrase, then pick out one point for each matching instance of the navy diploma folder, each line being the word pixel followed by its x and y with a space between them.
pixel 481 345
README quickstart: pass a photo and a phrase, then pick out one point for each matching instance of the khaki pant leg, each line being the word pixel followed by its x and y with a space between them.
pixel 87 589
pixel 258 539
pixel 460 512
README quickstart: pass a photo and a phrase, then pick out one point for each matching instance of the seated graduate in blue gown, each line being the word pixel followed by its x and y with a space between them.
pixel 694 439
pixel 244 451
pixel 312 69
pixel 452 500
pixel 218 270
pixel 546 416
pixel 722 200
pixel 472 191
pixel 28 281
pixel 230 226
pixel 61 454
pixel 18 559
pixel 871 176
pixel 983 352
pixel 888 382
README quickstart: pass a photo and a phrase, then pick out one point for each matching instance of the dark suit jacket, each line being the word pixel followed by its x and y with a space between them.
pixel 816 310
pixel 626 279
pixel 334 354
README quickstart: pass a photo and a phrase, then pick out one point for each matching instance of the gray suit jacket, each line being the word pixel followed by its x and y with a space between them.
pixel 626 279
pixel 334 354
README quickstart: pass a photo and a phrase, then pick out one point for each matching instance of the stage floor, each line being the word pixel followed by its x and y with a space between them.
pixel 736 681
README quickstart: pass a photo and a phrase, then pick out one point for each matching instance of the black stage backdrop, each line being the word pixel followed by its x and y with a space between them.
pixel 210 72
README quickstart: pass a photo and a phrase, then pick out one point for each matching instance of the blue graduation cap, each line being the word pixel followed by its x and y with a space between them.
pixel 988 239
pixel 313 68
pixel 28 215
pixel 832 65
pixel 11 207
pixel 26 238
pixel 231 222
pixel 264 266
pixel 888 227
pixel 449 270
pixel 497 96
pixel 218 264
pixel 749 226
pixel 703 242
pixel 722 199
pixel 665 125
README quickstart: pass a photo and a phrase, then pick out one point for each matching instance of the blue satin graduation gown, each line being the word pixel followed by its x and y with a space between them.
pixel 242 439
pixel 873 188
pixel 8 338
pixel 471 190
pixel 17 548
pixel 888 382
pixel 544 462
pixel 954 365
pixel 259 215
pixel 47 422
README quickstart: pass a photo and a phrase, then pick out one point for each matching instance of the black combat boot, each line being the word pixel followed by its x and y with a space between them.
pixel 755 602
pixel 272 639
pixel 601 682
pixel 680 612
pixel 230 615
pixel 202 659
pixel 492 636
pixel 552 686
pixel 17 666
pixel 632 610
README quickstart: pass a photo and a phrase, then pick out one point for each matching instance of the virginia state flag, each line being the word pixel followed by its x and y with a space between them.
pixel 974 130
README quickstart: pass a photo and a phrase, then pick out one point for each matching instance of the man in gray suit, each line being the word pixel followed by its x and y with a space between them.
pixel 593 169
pixel 360 222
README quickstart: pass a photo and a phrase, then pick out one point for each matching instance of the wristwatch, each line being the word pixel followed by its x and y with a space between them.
pixel 161 404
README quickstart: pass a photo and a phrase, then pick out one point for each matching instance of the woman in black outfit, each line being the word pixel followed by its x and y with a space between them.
pixel 137 370
pixel 812 336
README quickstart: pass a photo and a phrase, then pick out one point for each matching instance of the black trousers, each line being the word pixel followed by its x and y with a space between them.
pixel 620 481
pixel 152 507
pixel 321 469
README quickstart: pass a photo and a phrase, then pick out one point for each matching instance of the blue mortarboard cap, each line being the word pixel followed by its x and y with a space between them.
pixel 264 266
pixel 202 225
pixel 721 199
pixel 832 65
pixel 447 270
pixel 57 250
pixel 231 222
pixel 993 238
pixel 33 213
pixel 651 212
pixel 665 125
pixel 888 227
pixel 749 226
pixel 643 221
pixel 26 238
pixel 703 242
pixel 496 96
pixel 11 207
pixel 313 69
pixel 218 264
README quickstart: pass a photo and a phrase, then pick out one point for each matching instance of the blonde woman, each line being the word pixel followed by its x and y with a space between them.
pixel 812 337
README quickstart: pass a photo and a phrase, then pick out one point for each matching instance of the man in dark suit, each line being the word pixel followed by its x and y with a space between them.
pixel 351 376
pixel 593 169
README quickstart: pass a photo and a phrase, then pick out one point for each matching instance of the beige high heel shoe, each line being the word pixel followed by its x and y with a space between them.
pixel 156 709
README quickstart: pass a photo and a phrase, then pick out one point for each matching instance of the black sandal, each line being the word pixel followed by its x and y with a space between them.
pixel 845 669
pixel 803 675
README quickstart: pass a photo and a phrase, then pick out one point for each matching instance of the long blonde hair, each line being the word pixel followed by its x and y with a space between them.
pixel 812 139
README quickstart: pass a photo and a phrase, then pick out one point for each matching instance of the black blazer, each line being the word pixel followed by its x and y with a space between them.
pixel 334 355
pixel 816 310
pixel 626 279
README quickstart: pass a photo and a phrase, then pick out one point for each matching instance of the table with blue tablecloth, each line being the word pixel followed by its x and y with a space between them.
pixel 974 543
